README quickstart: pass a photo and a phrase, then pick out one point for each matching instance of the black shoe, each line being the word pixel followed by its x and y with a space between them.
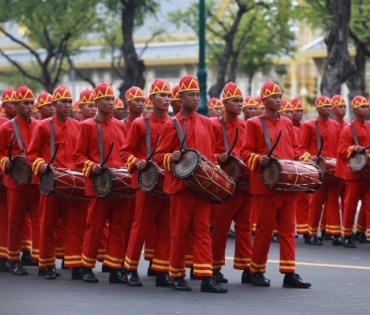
pixel 210 285
pixel 134 279
pixel 77 273
pixel 259 280
pixel 89 276
pixel 275 239
pixel 42 272
pixel 325 237
pixel 105 268
pixel 313 240
pixel 348 242
pixel 192 277
pixel 246 277
pixel 151 272
pixel 50 273
pixel 27 261
pixel 5 265
pixel 337 241
pixel 163 280
pixel 231 234
pixel 362 238
pixel 179 284
pixel 62 265
pixel 17 269
pixel 219 277
pixel 292 280
pixel 118 276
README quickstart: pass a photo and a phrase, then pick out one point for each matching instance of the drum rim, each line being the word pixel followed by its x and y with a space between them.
pixel 29 177
pixel 352 157
pixel 280 175
pixel 195 169
pixel 105 169
pixel 52 170
pixel 150 164
pixel 231 157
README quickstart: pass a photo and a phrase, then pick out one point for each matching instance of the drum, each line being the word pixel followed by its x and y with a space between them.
pixel 328 167
pixel 21 172
pixel 151 180
pixel 237 171
pixel 63 183
pixel 359 162
pixel 291 175
pixel 204 177
pixel 113 183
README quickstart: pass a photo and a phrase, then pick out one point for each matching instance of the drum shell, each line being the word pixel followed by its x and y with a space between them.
pixel 238 171
pixel 21 162
pixel 328 165
pixel 359 162
pixel 157 180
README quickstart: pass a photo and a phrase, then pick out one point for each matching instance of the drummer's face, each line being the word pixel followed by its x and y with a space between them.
pixel 361 111
pixel 249 111
pixel 297 115
pixel 340 110
pixel 63 107
pixel 324 111
pixel 234 105
pixel 136 106
pixel 105 105
pixel 273 102
pixel 190 99
pixel 89 110
pixel 25 108
pixel 161 101
pixel 287 114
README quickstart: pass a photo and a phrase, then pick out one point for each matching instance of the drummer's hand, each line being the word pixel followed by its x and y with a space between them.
pixel 176 156
pixel 97 169
pixel 358 149
pixel 43 168
pixel 8 164
pixel 263 160
pixel 141 164
pixel 222 157
pixel 313 158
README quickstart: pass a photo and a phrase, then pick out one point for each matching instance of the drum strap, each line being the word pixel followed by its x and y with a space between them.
pixel 147 137
pixel 354 134
pixel 265 133
pixel 17 134
pixel 179 132
pixel 224 135
pixel 318 136
pixel 100 141
pixel 52 138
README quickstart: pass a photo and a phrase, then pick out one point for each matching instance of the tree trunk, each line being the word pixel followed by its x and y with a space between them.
pixel 338 67
pixel 233 67
pixel 250 78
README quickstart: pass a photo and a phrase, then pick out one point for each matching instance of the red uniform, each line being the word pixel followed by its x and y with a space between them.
pixel 3 214
pixel 21 199
pixel 69 211
pixel 189 211
pixel 281 205
pixel 149 209
pixel 357 188
pixel 237 208
pixel 328 192
pixel 86 155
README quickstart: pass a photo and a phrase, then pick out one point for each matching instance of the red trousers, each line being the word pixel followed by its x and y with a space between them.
pixel 254 215
pixel 356 190
pixel 238 208
pixel 189 256
pixel 26 234
pixel 150 210
pixel 361 221
pixel 328 194
pixel 129 219
pixel 101 209
pixel 51 209
pixel 279 206
pixel 59 240
pixel 150 243
pixel 3 225
pixel 190 212
pixel 303 201
pixel 21 202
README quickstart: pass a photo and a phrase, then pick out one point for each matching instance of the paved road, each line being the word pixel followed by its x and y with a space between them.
pixel 340 280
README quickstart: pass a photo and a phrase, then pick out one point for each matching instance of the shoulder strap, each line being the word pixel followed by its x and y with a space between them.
pixel 265 132
pixel 52 138
pixel 224 135
pixel 17 134
pixel 100 141
pixel 318 136
pixel 147 136
pixel 179 132
pixel 354 134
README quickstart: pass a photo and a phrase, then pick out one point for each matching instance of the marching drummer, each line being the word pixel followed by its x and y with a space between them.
pixel 215 107
pixel 53 142
pixel 189 212
pixel 260 106
pixel 135 105
pixel 272 204
pixel 46 106
pixel 118 108
pixel 20 198
pixel 76 111
pixel 149 210
pixel 87 104
pixel 175 100
pixel 148 107
pixel 249 107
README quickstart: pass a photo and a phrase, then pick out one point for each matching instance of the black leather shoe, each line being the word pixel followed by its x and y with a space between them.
pixel 118 276
pixel 134 279
pixel 246 277
pixel 89 276
pixel 163 280
pixel 151 272
pixel 313 240
pixel 43 271
pixel 77 273
pixel 275 239
pixel 27 261
pixel 292 280
pixel 362 238
pixel 337 241
pixel 219 277
pixel 179 284
pixel 50 273
pixel 259 280
pixel 5 265
pixel 18 269
pixel 210 285
pixel 325 237
pixel 105 268
pixel 348 242
pixel 62 265
pixel 192 277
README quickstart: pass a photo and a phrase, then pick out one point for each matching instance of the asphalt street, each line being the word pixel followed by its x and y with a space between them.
pixel 340 280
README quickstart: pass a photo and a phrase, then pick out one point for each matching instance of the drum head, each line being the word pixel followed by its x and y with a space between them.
pixel 147 178
pixel 187 165
pixel 232 168
pixel 20 172
pixel 358 161
pixel 103 182
pixel 47 181
pixel 271 173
